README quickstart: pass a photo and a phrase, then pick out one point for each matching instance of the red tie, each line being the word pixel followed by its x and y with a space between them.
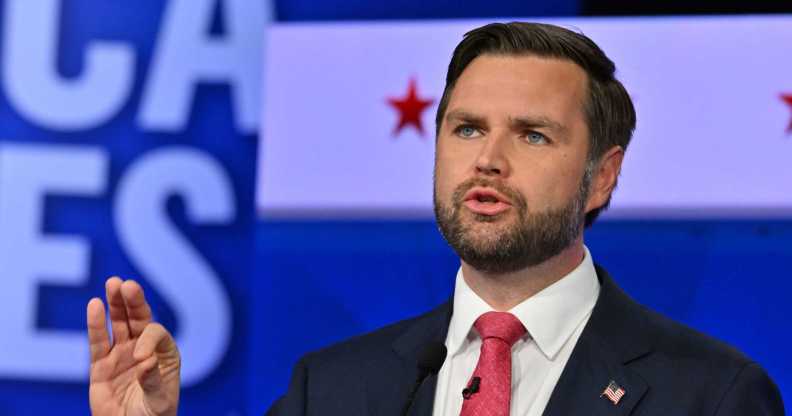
pixel 491 393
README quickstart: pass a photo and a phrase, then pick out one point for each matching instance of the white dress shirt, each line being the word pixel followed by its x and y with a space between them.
pixel 554 318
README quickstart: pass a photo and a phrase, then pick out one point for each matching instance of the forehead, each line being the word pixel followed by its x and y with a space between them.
pixel 514 86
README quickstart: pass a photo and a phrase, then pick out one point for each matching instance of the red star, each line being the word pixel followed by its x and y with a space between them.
pixel 788 99
pixel 410 108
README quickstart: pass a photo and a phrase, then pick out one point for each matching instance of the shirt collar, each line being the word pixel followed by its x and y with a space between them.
pixel 550 316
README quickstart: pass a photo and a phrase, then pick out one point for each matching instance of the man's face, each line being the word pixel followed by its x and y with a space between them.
pixel 510 182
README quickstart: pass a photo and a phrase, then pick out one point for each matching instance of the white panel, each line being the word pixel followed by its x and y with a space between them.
pixel 711 138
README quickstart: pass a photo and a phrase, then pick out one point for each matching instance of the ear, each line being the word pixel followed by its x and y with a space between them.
pixel 604 178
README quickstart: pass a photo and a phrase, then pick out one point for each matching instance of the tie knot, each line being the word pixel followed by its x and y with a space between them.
pixel 501 325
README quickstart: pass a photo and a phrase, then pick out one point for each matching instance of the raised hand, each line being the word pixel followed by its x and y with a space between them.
pixel 138 375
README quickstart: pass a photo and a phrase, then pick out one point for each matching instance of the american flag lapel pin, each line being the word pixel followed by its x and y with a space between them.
pixel 614 392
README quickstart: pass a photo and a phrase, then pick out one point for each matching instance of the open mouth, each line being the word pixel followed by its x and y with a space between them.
pixel 486 201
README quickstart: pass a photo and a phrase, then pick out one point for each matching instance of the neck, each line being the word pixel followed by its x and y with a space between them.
pixel 505 291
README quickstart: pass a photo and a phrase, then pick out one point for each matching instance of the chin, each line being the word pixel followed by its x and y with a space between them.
pixel 484 234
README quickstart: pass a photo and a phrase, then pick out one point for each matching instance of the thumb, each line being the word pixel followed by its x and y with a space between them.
pixel 158 363
pixel 156 398
pixel 148 375
pixel 154 339
pixel 157 370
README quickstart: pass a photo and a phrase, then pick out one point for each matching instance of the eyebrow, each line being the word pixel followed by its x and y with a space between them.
pixel 465 117
pixel 533 122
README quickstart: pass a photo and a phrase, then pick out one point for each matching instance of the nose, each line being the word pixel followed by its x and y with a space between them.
pixel 492 160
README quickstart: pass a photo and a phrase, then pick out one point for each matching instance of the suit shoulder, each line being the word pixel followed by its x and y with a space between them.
pixel 691 367
pixel 688 372
pixel 371 345
pixel 682 342
pixel 645 329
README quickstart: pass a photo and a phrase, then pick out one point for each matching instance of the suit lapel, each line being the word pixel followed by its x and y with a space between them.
pixel 423 405
pixel 431 327
pixel 614 337
pixel 589 371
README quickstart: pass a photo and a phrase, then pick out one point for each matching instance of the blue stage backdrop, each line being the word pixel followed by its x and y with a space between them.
pixel 128 147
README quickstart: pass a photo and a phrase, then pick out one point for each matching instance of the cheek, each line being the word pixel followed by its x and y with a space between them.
pixel 443 181
pixel 550 185
pixel 451 168
pixel 462 159
pixel 569 180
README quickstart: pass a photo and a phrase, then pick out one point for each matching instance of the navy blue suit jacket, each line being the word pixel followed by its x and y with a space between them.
pixel 665 368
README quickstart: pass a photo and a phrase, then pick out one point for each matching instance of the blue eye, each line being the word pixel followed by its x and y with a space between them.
pixel 535 138
pixel 466 132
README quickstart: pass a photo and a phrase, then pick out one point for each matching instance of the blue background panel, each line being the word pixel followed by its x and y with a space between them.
pixel 320 282
pixel 210 129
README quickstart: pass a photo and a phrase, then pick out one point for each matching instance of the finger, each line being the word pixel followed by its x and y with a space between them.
pixel 148 374
pixel 98 338
pixel 137 309
pixel 155 338
pixel 118 315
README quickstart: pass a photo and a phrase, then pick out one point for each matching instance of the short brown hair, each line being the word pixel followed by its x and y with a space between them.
pixel 608 109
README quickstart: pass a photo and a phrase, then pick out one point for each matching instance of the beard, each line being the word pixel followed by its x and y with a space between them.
pixel 532 239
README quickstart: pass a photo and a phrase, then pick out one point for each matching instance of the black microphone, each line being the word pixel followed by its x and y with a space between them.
pixel 430 359
pixel 472 388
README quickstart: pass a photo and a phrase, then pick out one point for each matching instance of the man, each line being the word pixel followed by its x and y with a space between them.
pixel 531 133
